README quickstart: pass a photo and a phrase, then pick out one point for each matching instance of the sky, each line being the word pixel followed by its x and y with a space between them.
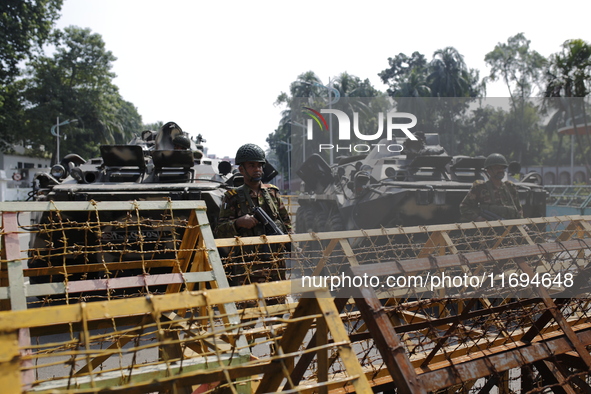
pixel 216 68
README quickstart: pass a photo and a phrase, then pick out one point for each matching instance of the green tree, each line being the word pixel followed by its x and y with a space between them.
pixel 488 128
pixel 25 26
pixel 350 89
pixel 77 83
pixel 520 68
pixel 450 78
pixel 569 72
pixel 414 96
pixel 568 82
pixel 351 86
pixel 446 77
pixel 306 85
pixel 416 85
pixel 407 80
pixel 485 126
pixel 153 126
pixel 129 121
pixel 11 115
pixel 402 69
pixel 310 87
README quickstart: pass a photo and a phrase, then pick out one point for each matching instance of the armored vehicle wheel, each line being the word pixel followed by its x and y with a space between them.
pixel 301 224
pixel 335 222
pixel 320 221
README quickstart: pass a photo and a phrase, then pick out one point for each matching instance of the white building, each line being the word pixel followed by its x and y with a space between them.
pixel 17 172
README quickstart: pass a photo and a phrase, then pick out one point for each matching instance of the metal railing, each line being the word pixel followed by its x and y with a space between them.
pixel 565 200
pixel 463 307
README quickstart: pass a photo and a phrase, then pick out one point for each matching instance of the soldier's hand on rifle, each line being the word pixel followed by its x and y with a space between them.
pixel 246 221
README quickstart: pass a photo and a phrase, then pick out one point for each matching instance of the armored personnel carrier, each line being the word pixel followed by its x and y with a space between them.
pixel 419 185
pixel 153 166
pixel 157 165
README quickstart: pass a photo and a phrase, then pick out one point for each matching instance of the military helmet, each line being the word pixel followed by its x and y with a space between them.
pixel 182 141
pixel 495 159
pixel 250 152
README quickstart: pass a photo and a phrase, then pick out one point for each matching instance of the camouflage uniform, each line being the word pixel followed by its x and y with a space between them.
pixel 235 203
pixel 502 201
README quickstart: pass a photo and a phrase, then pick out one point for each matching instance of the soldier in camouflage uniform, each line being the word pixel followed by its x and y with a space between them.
pixel 493 196
pixel 237 219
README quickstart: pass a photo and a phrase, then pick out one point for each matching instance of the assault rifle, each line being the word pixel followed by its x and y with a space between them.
pixel 488 215
pixel 270 226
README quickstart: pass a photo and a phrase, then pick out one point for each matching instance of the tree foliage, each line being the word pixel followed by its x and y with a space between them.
pixel 520 67
pixel 445 76
pixel 25 25
pixel 76 83
pixel 569 71
pixel 309 86
pixel 450 77
pixel 568 82
pixel 488 129
pixel 402 72
pixel 153 126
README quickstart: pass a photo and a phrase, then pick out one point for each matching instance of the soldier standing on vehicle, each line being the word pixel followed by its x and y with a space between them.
pixel 237 213
pixel 493 199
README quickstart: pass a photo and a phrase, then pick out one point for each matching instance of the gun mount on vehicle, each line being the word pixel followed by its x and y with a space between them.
pixel 419 185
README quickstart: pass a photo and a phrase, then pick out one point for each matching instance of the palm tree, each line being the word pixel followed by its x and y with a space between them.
pixel 415 86
pixel 359 96
pixel 449 77
pixel 569 77
pixel 413 96
pixel 305 86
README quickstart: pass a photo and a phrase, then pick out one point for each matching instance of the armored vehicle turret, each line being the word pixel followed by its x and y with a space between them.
pixel 419 185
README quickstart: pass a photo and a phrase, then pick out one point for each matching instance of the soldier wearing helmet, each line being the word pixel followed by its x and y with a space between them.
pixel 236 214
pixel 493 199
